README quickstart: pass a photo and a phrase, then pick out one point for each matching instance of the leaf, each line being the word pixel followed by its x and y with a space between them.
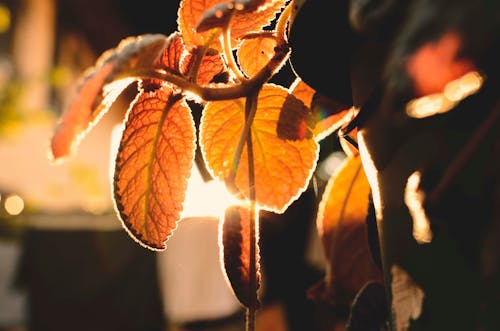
pixel 283 168
pixel 211 69
pixel 295 121
pixel 347 146
pixel 235 250
pixel 302 91
pixel 92 99
pixel 342 229
pixel 153 165
pixel 255 53
pixel 173 53
pixel 328 114
pixel 407 298
pixel 252 19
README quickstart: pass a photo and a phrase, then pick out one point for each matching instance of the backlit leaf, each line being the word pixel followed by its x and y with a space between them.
pixel 328 114
pixel 348 148
pixel 342 229
pixel 153 165
pixel 92 99
pixel 257 14
pixel 211 67
pixel 302 91
pixel 173 53
pixel 235 249
pixel 282 167
pixel 255 53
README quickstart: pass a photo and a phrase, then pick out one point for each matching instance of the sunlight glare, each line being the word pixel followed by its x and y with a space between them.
pixel 454 92
pixel 414 198
pixel 204 199
pixel 14 204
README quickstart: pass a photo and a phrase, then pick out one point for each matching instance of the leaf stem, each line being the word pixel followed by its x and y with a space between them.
pixel 193 74
pixel 282 22
pixel 228 53
pixel 250 109
pixel 240 90
pixel 460 160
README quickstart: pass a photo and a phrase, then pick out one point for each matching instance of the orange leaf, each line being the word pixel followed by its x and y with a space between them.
pixel 96 90
pixel 282 167
pixel 235 250
pixel 330 115
pixel 302 91
pixel 173 53
pixel 341 223
pixel 153 165
pixel 254 16
pixel 211 69
pixel 255 53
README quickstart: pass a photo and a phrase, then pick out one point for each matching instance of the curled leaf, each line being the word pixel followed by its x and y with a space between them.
pixel 153 165
pixel 283 168
pixel 235 250
pixel 342 229
pixel 328 114
pixel 92 99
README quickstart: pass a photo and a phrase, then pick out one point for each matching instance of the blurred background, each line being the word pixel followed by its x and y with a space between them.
pixel 65 261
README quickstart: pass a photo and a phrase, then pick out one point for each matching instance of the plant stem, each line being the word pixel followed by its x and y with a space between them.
pixel 215 93
pixel 228 53
pixel 250 108
pixel 460 160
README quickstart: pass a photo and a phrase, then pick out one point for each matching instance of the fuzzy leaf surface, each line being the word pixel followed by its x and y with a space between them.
pixel 212 68
pixel 235 248
pixel 283 168
pixel 255 16
pixel 255 53
pixel 153 165
pixel 92 99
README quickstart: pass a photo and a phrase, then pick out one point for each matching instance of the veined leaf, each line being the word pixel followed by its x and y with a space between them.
pixel 282 167
pixel 341 223
pixel 255 53
pixel 256 15
pixel 173 53
pixel 92 99
pixel 153 165
pixel 235 249
pixel 212 68
pixel 328 114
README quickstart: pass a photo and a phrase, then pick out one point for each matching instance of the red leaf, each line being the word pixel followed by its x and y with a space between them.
pixel 153 165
